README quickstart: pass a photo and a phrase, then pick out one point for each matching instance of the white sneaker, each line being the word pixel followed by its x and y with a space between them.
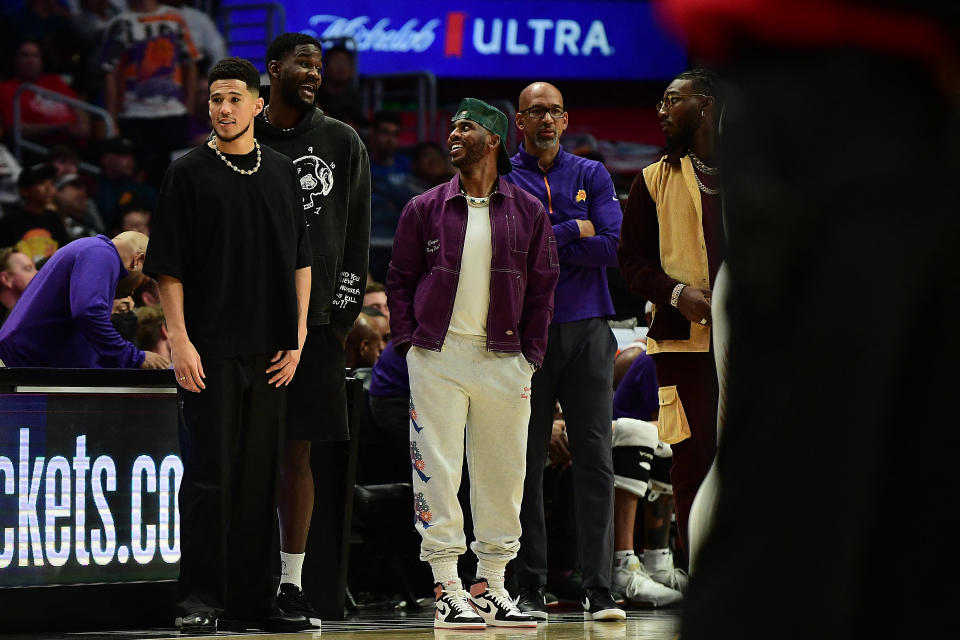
pixel 639 588
pixel 454 610
pixel 666 574
pixel 497 608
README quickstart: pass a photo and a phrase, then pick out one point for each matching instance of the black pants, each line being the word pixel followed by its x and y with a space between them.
pixel 840 174
pixel 578 371
pixel 230 442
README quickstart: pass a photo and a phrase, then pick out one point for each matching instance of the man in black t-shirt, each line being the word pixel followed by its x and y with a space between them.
pixel 231 254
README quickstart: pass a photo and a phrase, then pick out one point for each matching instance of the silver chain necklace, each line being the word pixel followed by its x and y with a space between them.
pixel 699 165
pixel 246 172
pixel 474 201
pixel 702 166
pixel 267 119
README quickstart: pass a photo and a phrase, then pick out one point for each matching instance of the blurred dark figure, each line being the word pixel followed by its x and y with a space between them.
pixel 32 223
pixel 389 172
pixel 840 152
pixel 89 26
pixel 43 120
pixel 47 22
pixel 430 166
pixel 135 216
pixel 65 160
pixel 338 95
pixel 118 183
pixel 76 210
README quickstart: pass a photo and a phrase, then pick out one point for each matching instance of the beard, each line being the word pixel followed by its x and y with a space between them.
pixel 233 137
pixel 291 95
pixel 545 144
pixel 472 153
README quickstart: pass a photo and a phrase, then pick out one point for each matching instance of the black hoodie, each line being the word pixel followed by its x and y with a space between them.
pixel 334 173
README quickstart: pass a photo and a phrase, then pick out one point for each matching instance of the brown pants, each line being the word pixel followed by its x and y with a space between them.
pixel 695 376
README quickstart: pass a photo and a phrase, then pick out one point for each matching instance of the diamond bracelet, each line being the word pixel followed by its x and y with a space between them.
pixel 675 296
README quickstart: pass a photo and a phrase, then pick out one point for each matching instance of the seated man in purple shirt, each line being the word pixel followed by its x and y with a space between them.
pixel 650 580
pixel 63 318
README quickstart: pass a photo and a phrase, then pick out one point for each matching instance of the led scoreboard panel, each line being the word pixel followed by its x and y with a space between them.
pixel 88 487
pixel 596 40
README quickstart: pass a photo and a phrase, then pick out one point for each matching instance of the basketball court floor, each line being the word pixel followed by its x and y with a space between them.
pixel 568 625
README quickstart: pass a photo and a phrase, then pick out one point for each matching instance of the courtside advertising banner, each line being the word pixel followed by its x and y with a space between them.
pixel 88 488
pixel 490 39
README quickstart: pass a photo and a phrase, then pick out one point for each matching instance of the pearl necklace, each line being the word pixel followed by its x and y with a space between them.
pixel 246 172
pixel 700 165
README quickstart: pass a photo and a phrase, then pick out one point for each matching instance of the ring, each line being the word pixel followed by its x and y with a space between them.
pixel 183 377
pixel 703 322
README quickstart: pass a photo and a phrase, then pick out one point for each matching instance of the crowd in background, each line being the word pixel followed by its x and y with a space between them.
pixel 144 63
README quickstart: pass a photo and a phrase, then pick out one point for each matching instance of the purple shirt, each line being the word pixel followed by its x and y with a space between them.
pixel 576 188
pixel 636 395
pixel 389 377
pixel 63 317
pixel 425 270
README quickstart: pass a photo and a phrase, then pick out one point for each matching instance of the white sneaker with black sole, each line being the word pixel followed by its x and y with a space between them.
pixel 497 608
pixel 598 605
pixel 454 610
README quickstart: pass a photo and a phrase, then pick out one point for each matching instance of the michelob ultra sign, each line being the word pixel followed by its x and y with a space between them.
pixel 88 488
pixel 494 39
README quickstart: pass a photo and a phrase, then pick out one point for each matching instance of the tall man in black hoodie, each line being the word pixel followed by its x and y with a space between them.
pixel 334 173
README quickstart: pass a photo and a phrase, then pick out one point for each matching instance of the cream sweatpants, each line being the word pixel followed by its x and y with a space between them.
pixel 465 389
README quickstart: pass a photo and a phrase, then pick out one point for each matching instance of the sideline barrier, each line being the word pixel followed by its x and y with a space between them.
pixel 89 525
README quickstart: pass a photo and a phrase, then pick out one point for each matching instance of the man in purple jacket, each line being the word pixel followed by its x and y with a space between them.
pixel 63 318
pixel 470 288
pixel 578 368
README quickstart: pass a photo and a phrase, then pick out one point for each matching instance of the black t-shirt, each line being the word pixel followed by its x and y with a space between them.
pixel 235 241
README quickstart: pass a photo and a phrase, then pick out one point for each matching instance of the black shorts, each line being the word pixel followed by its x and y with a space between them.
pixel 316 398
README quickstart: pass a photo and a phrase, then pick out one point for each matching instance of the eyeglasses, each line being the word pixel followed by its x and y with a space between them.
pixel 672 100
pixel 538 113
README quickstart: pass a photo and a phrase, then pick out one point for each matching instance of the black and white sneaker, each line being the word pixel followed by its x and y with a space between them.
pixel 497 609
pixel 200 622
pixel 292 601
pixel 454 610
pixel 532 601
pixel 598 604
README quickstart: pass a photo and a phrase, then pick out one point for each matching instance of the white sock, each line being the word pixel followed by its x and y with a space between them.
pixel 291 564
pixel 446 574
pixel 621 558
pixel 657 559
pixel 492 574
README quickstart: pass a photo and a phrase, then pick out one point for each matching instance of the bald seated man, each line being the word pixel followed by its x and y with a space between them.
pixel 63 318
pixel 364 342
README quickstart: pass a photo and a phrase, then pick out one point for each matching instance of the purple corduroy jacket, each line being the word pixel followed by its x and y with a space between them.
pixel 425 269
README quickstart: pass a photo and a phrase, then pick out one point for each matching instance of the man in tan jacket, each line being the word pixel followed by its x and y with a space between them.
pixel 671 247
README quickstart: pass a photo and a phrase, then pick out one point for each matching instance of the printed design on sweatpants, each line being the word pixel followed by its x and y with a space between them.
pixel 417 460
pixel 423 511
pixel 413 417
pixel 526 393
